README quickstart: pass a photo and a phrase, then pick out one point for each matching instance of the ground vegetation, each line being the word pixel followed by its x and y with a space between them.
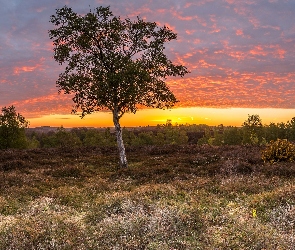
pixel 170 197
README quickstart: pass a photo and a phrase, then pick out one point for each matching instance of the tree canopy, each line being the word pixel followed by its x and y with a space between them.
pixel 12 125
pixel 112 63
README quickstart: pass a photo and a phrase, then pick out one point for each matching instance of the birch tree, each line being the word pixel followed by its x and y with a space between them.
pixel 113 64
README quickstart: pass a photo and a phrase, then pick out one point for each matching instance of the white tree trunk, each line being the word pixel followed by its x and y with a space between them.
pixel 120 143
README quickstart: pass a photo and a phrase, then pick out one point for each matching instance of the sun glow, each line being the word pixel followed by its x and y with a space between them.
pixel 153 117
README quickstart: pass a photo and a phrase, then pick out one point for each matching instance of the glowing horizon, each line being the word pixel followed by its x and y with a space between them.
pixel 153 117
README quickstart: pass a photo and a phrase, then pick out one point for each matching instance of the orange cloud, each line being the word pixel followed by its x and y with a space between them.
pixel 204 64
pixel 274 50
pixel 278 51
pixel 45 105
pixel 214 27
pixel 235 89
pixel 17 70
pixel 21 69
pixel 258 50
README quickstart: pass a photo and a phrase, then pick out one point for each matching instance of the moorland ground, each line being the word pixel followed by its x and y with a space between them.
pixel 170 197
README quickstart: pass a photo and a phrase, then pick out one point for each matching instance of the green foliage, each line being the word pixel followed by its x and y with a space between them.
pixel 207 138
pixel 33 143
pixel 252 130
pixel 144 138
pixel 271 132
pixel 80 132
pixel 61 138
pixel 279 150
pixel 48 140
pixel 159 138
pixel 128 136
pixel 123 60
pixel 93 137
pixel 66 139
pixel 232 136
pixel 203 141
pixel 175 135
pixel 12 129
pixel 113 64
pixel 283 131
pixel 253 122
pixel 291 129
pixel 218 139
pixel 163 135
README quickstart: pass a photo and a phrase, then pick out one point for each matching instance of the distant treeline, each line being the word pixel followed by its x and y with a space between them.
pixel 252 132
pixel 13 134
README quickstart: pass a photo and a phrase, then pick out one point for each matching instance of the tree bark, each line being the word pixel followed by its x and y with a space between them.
pixel 120 143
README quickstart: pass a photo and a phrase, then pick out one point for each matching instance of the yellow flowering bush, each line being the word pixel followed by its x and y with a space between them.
pixel 279 150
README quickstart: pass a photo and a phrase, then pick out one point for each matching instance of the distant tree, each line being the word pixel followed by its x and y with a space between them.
pixel 128 136
pixel 168 123
pixel 283 130
pixel 218 138
pixel 175 135
pixel 12 129
pixel 143 138
pixel 80 132
pixel 271 132
pixel 113 64
pixel 253 122
pixel 66 139
pixel 252 130
pixel 33 142
pixel 160 138
pixel 291 129
pixel 99 138
pixel 48 140
pixel 92 138
pixel 232 136
pixel 203 140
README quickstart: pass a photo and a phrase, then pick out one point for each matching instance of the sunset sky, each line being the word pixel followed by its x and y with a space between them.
pixel 241 54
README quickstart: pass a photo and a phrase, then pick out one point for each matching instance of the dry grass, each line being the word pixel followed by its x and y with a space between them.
pixel 172 197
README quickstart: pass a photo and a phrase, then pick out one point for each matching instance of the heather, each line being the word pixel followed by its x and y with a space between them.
pixel 170 197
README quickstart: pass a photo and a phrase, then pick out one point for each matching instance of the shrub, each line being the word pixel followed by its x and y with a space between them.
pixel 12 129
pixel 279 150
pixel 232 136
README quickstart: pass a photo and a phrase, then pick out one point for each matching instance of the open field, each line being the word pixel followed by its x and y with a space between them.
pixel 171 197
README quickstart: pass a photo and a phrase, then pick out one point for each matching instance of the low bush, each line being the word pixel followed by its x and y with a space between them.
pixel 279 150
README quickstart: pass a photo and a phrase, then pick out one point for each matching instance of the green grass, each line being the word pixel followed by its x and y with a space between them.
pixel 170 197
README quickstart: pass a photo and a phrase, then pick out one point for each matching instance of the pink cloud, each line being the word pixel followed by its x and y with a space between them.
pixel 278 51
pixel 274 50
pixel 190 32
pixel 239 32
pixel 45 105
pixel 258 50
pixel 202 63
pixel 29 68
